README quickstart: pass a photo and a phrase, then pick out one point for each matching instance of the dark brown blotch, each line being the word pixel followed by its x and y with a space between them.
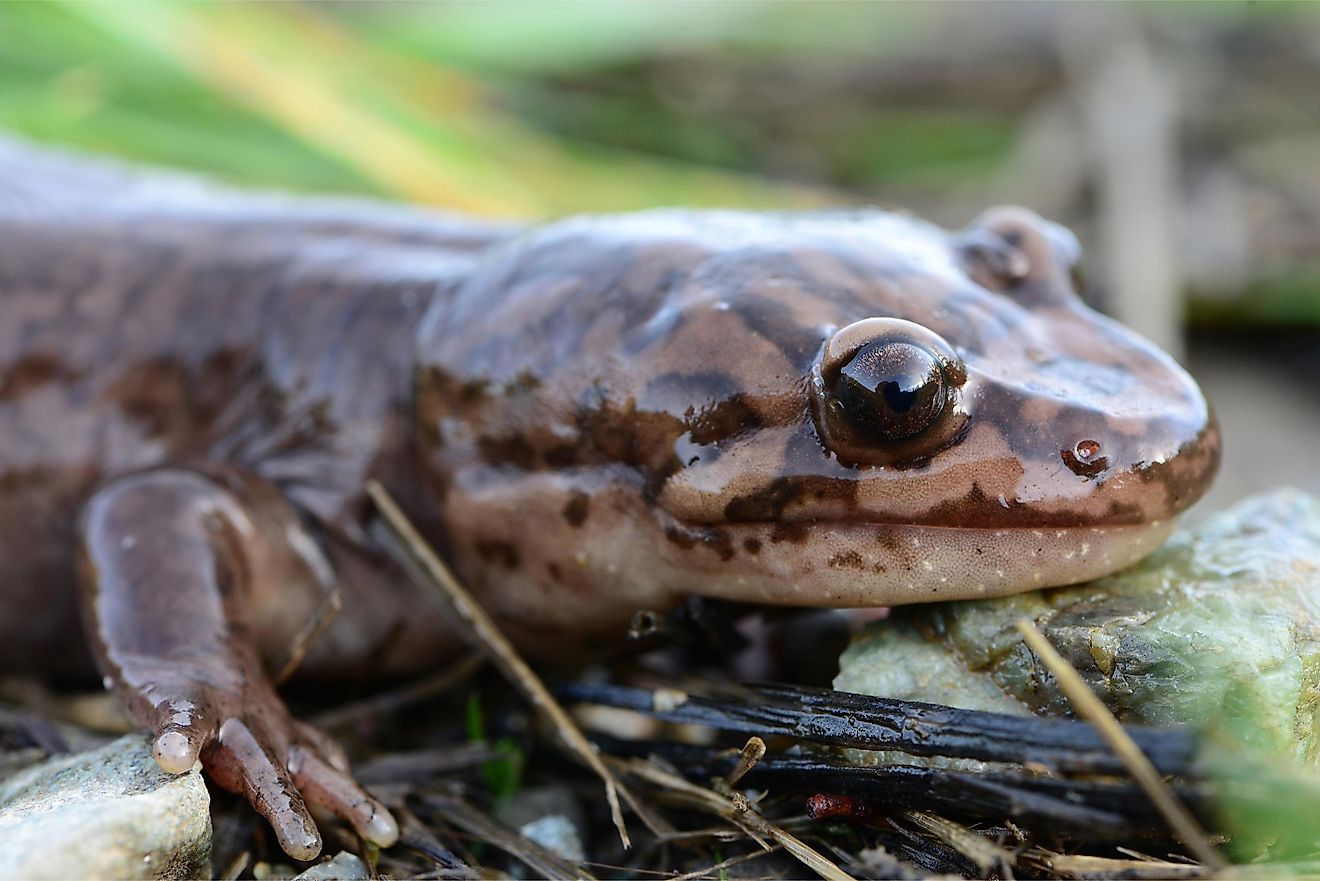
pixel 577 508
pixel 793 533
pixel 720 541
pixel 445 393
pixel 498 551
pixel 630 435
pixel 723 420
pixel 687 538
pixel 888 539
pixel 684 538
pixel 440 396
pixel 32 372
pixel 849 559
pixel 473 390
pixel 561 456
pixel 176 399
pixel 764 506
pixel 525 381
pixel 511 450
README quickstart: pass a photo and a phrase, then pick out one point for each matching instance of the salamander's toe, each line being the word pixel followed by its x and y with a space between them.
pixel 182 726
pixel 332 789
pixel 324 745
pixel 247 761
pixel 175 751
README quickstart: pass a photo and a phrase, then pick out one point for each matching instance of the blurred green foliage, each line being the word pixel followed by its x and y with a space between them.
pixel 64 79
pixel 1266 804
pixel 1289 297
pixel 474 106
pixel 504 774
pixel 538 38
pixel 342 98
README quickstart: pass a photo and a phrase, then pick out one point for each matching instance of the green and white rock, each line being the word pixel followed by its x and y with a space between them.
pixel 1220 627
pixel 108 813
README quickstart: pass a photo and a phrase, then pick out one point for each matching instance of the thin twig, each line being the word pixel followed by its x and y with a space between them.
pixel 310 633
pixel 1148 778
pixel 752 752
pixel 723 866
pixel 415 836
pixel 541 860
pixel 407 695
pixel 739 811
pixel 455 598
pixel 417 766
pixel 236 866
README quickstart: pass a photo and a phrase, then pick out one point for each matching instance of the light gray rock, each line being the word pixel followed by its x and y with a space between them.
pixel 344 867
pixel 556 833
pixel 548 815
pixel 108 813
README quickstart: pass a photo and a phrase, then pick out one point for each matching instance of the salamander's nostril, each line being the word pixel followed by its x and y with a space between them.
pixel 1086 458
pixel 993 260
pixel 1086 450
pixel 1014 249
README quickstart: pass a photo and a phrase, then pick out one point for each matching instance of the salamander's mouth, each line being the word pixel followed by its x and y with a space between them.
pixel 880 564
pixel 1072 485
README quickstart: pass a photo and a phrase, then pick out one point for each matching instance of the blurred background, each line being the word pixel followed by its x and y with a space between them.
pixel 1180 141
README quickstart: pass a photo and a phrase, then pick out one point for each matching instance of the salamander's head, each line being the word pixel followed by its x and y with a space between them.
pixel 832 409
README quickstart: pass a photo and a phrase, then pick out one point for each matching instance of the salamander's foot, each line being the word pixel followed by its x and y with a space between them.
pixel 169 558
pixel 249 744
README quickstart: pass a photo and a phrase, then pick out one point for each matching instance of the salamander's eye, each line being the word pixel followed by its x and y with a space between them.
pixel 892 390
pixel 887 392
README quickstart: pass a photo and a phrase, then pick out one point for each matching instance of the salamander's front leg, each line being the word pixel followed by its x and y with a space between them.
pixel 180 571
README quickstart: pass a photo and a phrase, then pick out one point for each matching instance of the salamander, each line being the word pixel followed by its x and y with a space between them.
pixel 587 417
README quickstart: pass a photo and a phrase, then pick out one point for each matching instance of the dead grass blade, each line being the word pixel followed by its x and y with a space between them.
pixel 544 862
pixel 738 810
pixel 417 766
pixel 986 855
pixel 1059 865
pixel 720 869
pixel 398 698
pixel 483 629
pixel 236 867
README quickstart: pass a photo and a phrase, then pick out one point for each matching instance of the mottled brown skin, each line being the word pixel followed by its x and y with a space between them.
pixel 590 417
